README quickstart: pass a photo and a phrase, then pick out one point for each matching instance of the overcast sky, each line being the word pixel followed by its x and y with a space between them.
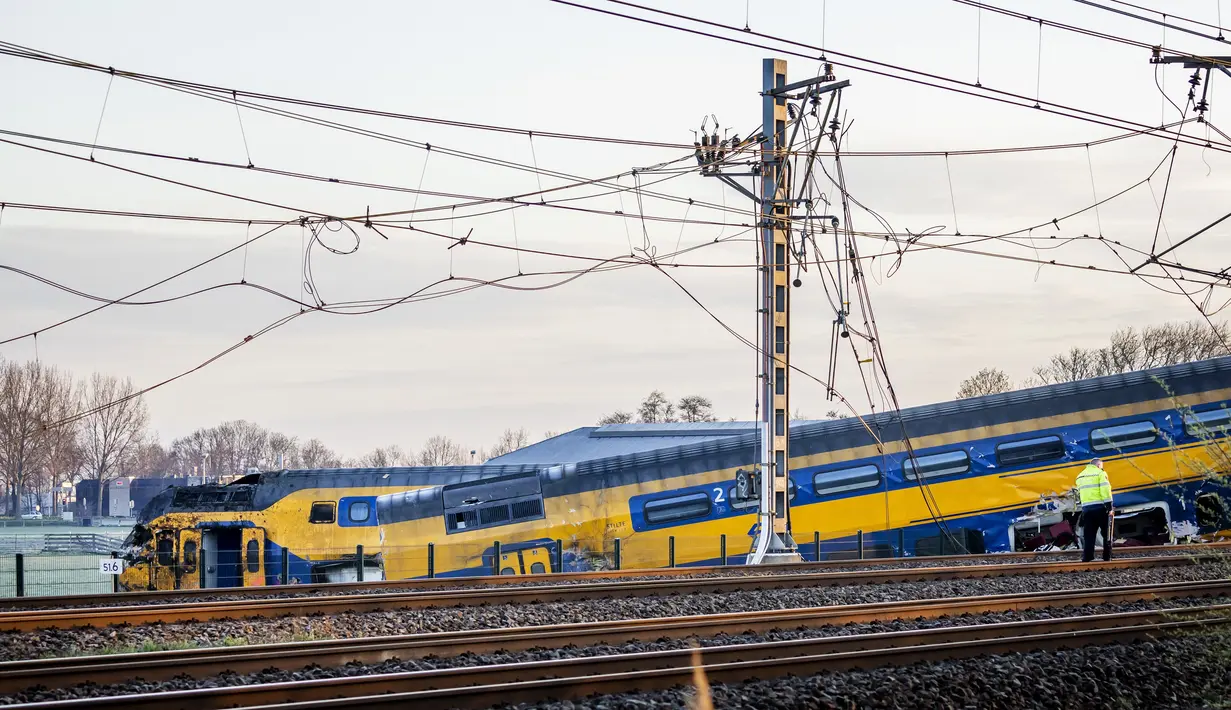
pixel 470 365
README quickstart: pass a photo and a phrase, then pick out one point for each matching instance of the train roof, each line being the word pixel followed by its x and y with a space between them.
pixel 644 442
pixel 598 442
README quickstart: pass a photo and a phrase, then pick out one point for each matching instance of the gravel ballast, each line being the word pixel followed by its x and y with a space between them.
pixel 60 642
pixel 1175 673
pixel 472 660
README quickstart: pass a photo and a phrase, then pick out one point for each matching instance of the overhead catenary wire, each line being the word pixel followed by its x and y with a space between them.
pixel 16 50
pixel 897 72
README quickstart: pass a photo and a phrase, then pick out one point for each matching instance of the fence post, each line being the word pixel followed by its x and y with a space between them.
pixel 816 545
pixel 286 565
pixel 20 561
pixel 115 579
pixel 859 542
pixel 559 555
pixel 496 557
pixel 901 542
pixel 722 548
pixel 431 560
pixel 359 562
pixel 202 563
pixel 617 553
pixel 671 551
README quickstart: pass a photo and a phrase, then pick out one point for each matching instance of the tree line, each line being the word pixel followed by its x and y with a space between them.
pixel 56 430
pixel 1129 349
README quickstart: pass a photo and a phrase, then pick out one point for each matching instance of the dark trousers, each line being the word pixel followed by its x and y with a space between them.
pixel 1094 521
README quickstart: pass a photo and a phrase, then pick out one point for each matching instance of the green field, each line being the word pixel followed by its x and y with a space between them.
pixel 55 574
pixel 49 573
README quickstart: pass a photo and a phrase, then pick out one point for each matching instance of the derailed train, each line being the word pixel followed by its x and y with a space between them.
pixel 989 473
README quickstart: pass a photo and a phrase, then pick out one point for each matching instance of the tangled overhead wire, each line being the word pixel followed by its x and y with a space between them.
pixel 317 226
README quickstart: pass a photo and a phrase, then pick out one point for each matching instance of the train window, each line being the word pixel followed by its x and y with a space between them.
pixel 527 509
pixel 538 568
pixel 493 514
pixel 165 549
pixel 190 555
pixel 1043 448
pixel 846 479
pixel 462 520
pixel 359 511
pixel 323 512
pixel 493 501
pixel 935 465
pixel 1116 437
pixel 1215 421
pixel 253 554
pixel 675 508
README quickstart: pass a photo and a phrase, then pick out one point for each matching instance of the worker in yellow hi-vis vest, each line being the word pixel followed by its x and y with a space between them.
pixel 1095 492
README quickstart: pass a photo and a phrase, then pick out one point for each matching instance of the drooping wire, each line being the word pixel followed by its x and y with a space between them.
pixel 243 134
pixel 979 48
pixel 952 197
pixel 103 112
pixel 516 242
pixel 422 174
pixel 538 174
pixel 1094 192
pixel 247 237
pixel 1038 77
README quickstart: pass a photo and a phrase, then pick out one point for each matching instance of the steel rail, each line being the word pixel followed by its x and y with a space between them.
pixel 484 686
pixel 306 606
pixel 208 662
pixel 171 595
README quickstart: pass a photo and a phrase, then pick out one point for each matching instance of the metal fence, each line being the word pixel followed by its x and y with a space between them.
pixel 87 563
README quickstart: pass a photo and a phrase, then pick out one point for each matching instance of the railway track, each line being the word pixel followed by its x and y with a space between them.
pixel 441 583
pixel 29 620
pixel 207 662
pixel 484 686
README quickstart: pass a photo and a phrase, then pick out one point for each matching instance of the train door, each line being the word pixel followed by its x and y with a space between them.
pixel 163 571
pixel 531 560
pixel 254 557
pixel 190 557
pixel 222 554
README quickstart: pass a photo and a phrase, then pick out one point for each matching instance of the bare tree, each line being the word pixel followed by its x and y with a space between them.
pixel 989 380
pixel 549 434
pixel 510 440
pixel 314 454
pixel 248 447
pixel 281 451
pixel 33 398
pixel 386 457
pixel 696 408
pixel 148 459
pixel 834 414
pixel 656 408
pixel 190 453
pixel 1154 346
pixel 114 424
pixel 617 417
pixel 62 460
pixel 441 451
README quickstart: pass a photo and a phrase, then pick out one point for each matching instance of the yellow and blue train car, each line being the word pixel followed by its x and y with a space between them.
pixel 972 481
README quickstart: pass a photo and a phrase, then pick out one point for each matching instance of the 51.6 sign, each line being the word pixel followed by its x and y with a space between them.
pixel 108 565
